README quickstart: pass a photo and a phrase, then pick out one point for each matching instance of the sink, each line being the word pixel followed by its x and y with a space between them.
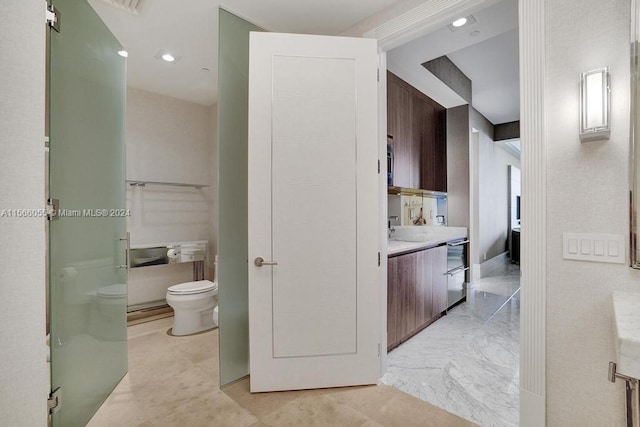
pixel 394 244
pixel 414 238
pixel 626 319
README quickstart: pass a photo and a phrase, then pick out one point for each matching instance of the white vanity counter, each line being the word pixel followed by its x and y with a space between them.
pixel 409 239
pixel 626 309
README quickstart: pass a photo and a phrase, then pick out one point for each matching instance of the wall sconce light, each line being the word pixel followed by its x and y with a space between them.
pixel 595 103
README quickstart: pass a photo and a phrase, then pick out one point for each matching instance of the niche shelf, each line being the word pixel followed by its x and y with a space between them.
pixel 140 183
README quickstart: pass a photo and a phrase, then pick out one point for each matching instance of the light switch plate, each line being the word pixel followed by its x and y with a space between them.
pixel 594 247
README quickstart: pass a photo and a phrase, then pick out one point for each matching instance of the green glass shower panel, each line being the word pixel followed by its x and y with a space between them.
pixel 233 125
pixel 87 245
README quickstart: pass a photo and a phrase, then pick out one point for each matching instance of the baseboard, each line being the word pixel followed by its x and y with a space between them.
pixel 493 264
pixel 532 409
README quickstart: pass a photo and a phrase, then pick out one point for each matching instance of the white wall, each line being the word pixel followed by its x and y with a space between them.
pixel 23 368
pixel 492 163
pixel 587 191
pixel 169 140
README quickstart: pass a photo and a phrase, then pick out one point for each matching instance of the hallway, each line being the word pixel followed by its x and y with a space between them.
pixel 468 361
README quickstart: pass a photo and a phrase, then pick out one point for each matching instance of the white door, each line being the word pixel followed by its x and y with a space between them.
pixel 314 318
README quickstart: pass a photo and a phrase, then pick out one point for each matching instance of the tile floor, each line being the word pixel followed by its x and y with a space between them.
pixel 468 361
pixel 173 381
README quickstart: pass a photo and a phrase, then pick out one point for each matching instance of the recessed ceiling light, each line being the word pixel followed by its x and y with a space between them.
pixel 123 53
pixel 167 56
pixel 475 33
pixel 459 22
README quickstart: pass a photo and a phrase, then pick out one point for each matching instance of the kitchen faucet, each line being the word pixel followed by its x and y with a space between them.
pixel 391 229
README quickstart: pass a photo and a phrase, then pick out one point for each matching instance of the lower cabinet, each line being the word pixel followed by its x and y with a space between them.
pixel 416 292
pixel 424 289
pixel 440 281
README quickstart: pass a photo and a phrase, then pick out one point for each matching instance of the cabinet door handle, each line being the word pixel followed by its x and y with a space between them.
pixel 457 270
pixel 463 242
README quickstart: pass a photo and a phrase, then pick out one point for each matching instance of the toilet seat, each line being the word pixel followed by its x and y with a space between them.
pixel 118 290
pixel 192 288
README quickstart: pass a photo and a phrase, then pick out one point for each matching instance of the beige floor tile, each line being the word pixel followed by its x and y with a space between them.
pixel 212 408
pixel 128 413
pixel 145 328
pixel 150 342
pixel 263 404
pixel 157 366
pixel 211 369
pixel 317 410
pixel 161 398
pixel 153 358
pixel 391 407
pixel 120 409
pixel 197 347
pixel 174 381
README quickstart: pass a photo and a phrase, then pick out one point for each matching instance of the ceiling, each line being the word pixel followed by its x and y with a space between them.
pixel 489 58
pixel 189 30
pixel 492 66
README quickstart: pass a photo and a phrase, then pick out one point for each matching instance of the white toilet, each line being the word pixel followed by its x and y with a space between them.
pixel 107 317
pixel 193 304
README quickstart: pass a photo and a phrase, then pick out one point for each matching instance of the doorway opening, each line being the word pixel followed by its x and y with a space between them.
pixel 469 68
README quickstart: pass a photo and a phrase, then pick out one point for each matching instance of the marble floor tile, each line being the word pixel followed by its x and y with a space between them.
pixel 468 361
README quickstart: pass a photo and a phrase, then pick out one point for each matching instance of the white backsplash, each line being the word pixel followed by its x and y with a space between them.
pixel 418 210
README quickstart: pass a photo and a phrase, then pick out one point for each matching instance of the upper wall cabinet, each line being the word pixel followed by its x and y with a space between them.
pixel 398 127
pixel 418 127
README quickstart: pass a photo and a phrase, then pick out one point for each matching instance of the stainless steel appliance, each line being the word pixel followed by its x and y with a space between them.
pixel 457 267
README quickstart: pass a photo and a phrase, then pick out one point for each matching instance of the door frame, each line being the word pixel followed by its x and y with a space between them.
pixel 417 22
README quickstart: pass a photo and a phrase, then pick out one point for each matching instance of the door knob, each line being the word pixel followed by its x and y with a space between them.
pixel 259 262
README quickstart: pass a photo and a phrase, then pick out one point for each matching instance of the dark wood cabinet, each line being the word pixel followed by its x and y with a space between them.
pixel 407 279
pixel 416 292
pixel 424 288
pixel 398 127
pixel 418 127
pixel 392 302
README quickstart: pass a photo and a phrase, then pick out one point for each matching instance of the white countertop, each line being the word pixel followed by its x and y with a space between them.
pixel 626 318
pixel 409 239
pixel 168 244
